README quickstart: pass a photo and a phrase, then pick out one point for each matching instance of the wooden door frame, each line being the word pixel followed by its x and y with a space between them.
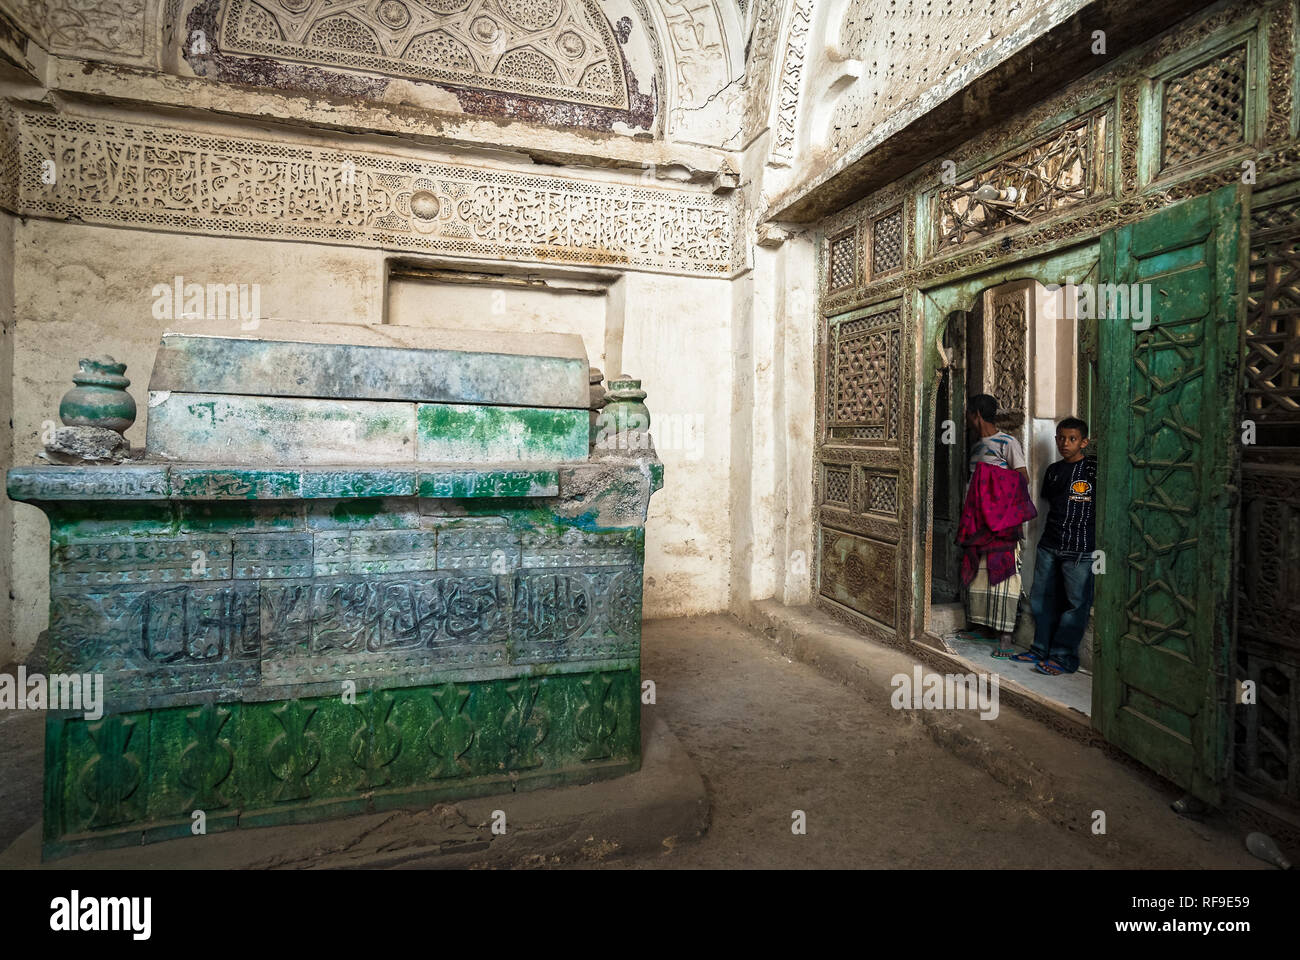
pixel 932 306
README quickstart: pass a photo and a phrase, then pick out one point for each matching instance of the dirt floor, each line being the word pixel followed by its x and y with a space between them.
pixel 771 736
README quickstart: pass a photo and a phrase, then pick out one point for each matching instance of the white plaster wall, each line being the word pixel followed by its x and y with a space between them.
pixel 794 402
pixel 775 380
pixel 765 445
pixel 677 341
pixel 501 308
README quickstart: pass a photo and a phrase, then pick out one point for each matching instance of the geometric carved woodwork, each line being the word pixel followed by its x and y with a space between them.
pixel 843 249
pixel 1205 109
pixel 859 572
pixel 1167 451
pixel 1007 361
pixel 1268 628
pixel 864 377
pixel 1271 362
pixel 1059 171
pixel 835 489
pixel 1268 733
pixel 558 49
pixel 882 493
pixel 1268 609
pixel 887 242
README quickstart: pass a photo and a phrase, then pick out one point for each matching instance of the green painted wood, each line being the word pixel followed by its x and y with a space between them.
pixel 108 782
pixel 1168 455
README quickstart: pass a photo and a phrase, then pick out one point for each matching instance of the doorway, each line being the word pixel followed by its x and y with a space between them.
pixel 1020 341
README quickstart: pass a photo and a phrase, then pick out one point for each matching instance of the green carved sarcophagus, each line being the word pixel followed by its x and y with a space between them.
pixel 356 568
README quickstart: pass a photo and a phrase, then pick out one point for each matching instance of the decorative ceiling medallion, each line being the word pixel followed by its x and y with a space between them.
pixel 571 45
pixel 485 29
pixel 556 49
pixel 393 14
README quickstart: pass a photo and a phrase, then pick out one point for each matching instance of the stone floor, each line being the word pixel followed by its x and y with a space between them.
pixel 771 736
pixel 1074 690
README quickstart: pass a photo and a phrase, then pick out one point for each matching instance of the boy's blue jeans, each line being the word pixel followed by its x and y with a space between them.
pixel 1060 600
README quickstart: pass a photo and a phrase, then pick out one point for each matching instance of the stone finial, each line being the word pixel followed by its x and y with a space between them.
pixel 624 424
pixel 624 398
pixel 594 377
pixel 99 398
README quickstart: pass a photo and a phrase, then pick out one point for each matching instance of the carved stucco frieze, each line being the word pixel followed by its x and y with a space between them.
pixel 704 44
pixel 162 178
pixel 786 119
pixel 759 65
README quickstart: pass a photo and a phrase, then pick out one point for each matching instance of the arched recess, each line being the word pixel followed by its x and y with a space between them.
pixel 704 50
pixel 593 64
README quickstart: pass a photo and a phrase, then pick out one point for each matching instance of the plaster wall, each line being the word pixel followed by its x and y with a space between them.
pixel 677 341
pixel 775 381
pixel 506 308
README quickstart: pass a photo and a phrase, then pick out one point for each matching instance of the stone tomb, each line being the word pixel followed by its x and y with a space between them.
pixel 323 509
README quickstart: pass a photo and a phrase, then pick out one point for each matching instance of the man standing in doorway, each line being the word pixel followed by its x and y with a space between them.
pixel 997 504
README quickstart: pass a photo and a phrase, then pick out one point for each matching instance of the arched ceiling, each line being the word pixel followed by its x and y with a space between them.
pixel 555 49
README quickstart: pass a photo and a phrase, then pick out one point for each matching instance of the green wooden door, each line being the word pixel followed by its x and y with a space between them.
pixel 1168 458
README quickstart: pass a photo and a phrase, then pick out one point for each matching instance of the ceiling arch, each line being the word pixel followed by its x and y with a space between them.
pixel 555 49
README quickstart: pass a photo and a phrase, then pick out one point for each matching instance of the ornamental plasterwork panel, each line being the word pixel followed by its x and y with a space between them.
pixel 760 65
pixel 161 178
pixel 705 46
pixel 786 111
pixel 558 49
pixel 114 27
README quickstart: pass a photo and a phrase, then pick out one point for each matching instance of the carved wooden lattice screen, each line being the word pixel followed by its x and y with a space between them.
pixel 1205 109
pixel 1005 361
pixel 864 482
pixel 1267 752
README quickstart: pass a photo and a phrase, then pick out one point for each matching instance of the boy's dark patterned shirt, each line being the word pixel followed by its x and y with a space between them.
pixel 1070 490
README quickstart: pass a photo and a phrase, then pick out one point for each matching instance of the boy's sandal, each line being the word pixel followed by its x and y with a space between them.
pixel 1027 657
pixel 1004 653
pixel 1051 668
pixel 972 635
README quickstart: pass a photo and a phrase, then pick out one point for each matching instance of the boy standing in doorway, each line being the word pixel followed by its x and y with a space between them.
pixel 1061 598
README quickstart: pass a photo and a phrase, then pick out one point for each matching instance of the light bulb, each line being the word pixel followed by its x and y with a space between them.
pixel 1261 845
